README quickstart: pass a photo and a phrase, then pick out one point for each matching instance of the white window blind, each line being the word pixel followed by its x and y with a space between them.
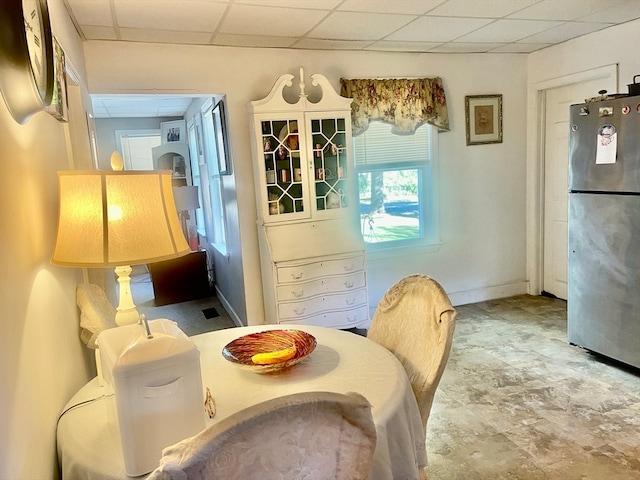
pixel 377 146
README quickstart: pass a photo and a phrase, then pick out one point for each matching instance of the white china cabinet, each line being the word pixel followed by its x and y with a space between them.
pixel 311 248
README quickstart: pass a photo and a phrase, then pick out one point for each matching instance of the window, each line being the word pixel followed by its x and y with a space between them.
pixel 215 221
pixel 195 144
pixel 397 186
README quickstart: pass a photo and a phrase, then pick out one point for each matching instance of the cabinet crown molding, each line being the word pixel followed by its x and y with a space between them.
pixel 276 100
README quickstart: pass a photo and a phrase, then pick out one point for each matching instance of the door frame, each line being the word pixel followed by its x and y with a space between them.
pixel 536 111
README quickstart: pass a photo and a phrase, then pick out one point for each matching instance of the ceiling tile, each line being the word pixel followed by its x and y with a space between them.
pixel 92 12
pixel 99 33
pixel 411 7
pixel 189 15
pixel 461 47
pixel 246 20
pixel 253 40
pixel 508 30
pixel 322 44
pixel 559 10
pixel 165 36
pixel 480 8
pixel 436 29
pixel 140 106
pixel 616 11
pixel 520 47
pixel 564 32
pixel 312 5
pixel 174 102
pixel 360 26
pixel 389 46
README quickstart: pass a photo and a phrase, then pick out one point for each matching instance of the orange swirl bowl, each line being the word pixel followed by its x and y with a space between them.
pixel 242 349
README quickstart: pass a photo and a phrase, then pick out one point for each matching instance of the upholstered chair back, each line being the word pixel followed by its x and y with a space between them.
pixel 315 436
pixel 415 321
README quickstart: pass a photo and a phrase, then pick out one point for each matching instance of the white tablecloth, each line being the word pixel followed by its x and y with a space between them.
pixel 89 445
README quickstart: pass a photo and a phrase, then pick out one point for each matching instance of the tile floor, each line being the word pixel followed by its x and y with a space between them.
pixel 189 315
pixel 517 401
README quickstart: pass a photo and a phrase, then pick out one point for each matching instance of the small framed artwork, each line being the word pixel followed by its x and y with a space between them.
pixel 59 106
pixel 483 115
pixel 220 130
pixel 175 131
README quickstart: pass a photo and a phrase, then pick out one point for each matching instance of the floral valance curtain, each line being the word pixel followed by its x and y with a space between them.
pixel 405 103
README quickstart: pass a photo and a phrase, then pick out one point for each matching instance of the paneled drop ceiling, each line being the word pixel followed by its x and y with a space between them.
pixel 442 26
pixel 128 106
pixel 437 26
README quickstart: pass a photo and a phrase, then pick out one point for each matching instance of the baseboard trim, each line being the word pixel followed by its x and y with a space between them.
pixel 477 295
pixel 488 293
pixel 227 306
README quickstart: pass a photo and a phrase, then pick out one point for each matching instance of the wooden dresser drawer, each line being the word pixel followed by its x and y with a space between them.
pixel 333 319
pixel 309 271
pixel 315 305
pixel 335 284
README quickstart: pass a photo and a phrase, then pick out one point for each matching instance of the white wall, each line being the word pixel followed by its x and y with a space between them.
pixel 42 361
pixel 482 191
pixel 560 65
pixel 227 269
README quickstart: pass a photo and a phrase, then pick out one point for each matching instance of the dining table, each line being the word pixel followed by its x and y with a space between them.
pixel 89 444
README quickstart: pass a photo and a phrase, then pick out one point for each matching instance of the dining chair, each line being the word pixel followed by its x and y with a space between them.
pixel 415 321
pixel 311 435
pixel 96 312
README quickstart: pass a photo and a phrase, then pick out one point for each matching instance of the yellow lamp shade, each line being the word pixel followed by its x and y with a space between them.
pixel 117 218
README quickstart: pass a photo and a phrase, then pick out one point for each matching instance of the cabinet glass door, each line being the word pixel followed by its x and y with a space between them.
pixel 330 163
pixel 282 167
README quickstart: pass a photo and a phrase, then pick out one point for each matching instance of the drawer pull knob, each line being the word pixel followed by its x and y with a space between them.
pixel 298 293
pixel 349 284
pixel 348 268
pixel 296 276
pixel 350 301
pixel 299 310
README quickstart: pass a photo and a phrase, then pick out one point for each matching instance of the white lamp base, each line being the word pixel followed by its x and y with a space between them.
pixel 126 312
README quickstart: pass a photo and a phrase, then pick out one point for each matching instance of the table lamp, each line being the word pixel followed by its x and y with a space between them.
pixel 186 198
pixel 117 218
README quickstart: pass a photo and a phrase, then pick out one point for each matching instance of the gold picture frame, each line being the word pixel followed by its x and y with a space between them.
pixel 483 114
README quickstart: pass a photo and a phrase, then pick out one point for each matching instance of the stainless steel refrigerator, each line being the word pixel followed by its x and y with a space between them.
pixel 603 302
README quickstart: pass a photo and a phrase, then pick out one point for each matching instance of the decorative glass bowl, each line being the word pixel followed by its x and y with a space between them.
pixel 241 350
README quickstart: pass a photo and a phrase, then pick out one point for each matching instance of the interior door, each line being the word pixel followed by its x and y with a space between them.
pixel 556 156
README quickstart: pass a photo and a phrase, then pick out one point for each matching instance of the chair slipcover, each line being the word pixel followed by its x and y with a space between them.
pixel 312 436
pixel 415 321
pixel 96 312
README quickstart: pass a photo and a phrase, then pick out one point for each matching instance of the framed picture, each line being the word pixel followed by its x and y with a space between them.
pixel 175 131
pixel 59 107
pixel 220 131
pixel 483 119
